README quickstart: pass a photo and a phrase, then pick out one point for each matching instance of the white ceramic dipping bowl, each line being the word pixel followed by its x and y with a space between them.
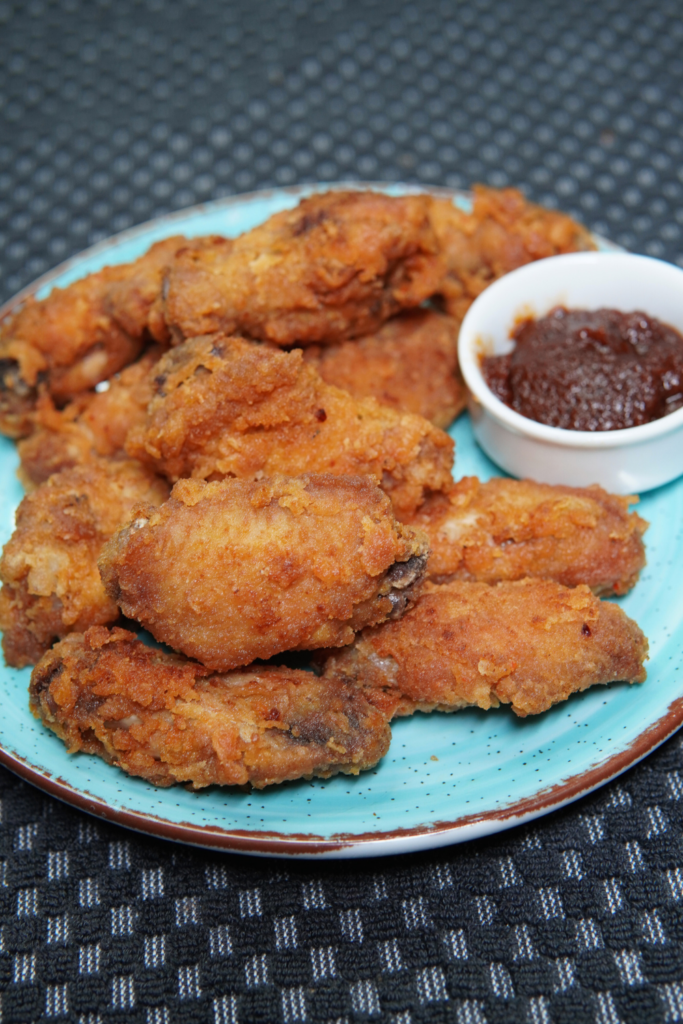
pixel 621 461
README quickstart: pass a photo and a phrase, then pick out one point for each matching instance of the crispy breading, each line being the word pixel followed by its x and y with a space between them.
pixel 410 364
pixel 530 644
pixel 504 231
pixel 335 267
pixel 228 407
pixel 94 424
pixel 135 299
pixel 230 571
pixel 80 335
pixel 508 529
pixel 63 345
pixel 51 584
pixel 170 720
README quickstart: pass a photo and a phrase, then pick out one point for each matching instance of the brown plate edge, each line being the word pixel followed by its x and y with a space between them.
pixel 441 833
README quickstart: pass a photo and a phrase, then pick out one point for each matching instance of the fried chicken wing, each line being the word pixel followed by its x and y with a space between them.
pixel 135 299
pixel 64 344
pixel 530 644
pixel 230 571
pixel 51 584
pixel 94 424
pixel 504 231
pixel 509 529
pixel 78 336
pixel 228 407
pixel 170 720
pixel 410 364
pixel 335 267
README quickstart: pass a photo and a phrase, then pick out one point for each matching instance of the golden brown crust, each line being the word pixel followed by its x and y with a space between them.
pixel 169 720
pixel 410 364
pixel 94 424
pixel 63 344
pixel 335 267
pixel 135 299
pixel 228 407
pixel 80 335
pixel 51 585
pixel 508 529
pixel 231 571
pixel 529 644
pixel 504 231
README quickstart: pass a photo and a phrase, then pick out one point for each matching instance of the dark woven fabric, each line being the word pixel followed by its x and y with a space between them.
pixel 115 112
pixel 576 918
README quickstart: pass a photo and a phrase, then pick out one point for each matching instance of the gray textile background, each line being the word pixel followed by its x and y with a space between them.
pixel 114 112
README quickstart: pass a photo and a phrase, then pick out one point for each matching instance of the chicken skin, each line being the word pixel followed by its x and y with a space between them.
pixel 94 424
pixel 508 529
pixel 530 644
pixel 51 584
pixel 335 267
pixel 169 720
pixel 228 407
pixel 409 364
pixel 504 231
pixel 230 571
pixel 80 335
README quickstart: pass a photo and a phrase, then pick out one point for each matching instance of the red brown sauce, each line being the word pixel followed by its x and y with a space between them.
pixel 590 370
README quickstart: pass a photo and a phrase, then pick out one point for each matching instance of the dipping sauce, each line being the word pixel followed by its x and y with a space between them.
pixel 590 369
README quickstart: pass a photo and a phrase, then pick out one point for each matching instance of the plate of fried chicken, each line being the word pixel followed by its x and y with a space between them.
pixel 258 560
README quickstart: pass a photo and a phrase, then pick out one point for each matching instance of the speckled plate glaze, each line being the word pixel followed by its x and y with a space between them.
pixel 446 778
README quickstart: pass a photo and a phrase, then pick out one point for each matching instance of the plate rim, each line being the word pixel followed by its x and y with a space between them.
pixel 369 844
pixel 341 845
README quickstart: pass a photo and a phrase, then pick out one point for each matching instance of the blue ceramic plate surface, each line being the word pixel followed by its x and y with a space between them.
pixel 446 778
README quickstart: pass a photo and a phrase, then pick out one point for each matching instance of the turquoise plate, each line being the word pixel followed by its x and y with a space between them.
pixel 446 778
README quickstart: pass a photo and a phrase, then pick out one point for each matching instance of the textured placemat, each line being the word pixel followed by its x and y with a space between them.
pixel 576 918
pixel 114 112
